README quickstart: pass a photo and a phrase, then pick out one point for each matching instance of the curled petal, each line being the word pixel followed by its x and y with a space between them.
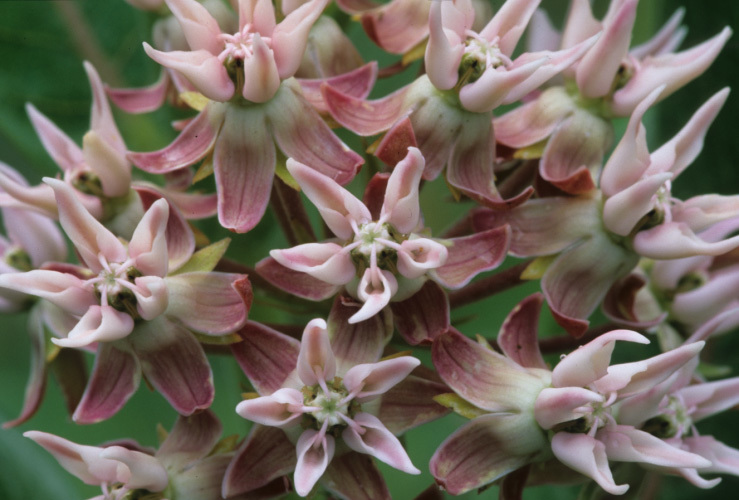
pixel 491 89
pixel 316 361
pixel 509 23
pixel 264 79
pixel 676 240
pixel 401 208
pixel 141 100
pixel 64 290
pixel 443 55
pixel 558 405
pixel 99 324
pixel 724 459
pixel 420 255
pixel 279 409
pixel 374 297
pixel 152 296
pixel 60 147
pixel 111 166
pixel 397 27
pixel 625 444
pixel 379 442
pixel 297 283
pixel 291 36
pixel 148 244
pixel 622 211
pixel 327 262
pixel 471 255
pixel 314 454
pixel 199 27
pixel 146 472
pixel 370 380
pixel 518 336
pixel 587 456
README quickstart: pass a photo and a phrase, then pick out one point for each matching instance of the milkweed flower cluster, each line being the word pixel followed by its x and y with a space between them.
pixel 345 332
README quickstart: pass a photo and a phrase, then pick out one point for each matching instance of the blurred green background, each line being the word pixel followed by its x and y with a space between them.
pixel 42 44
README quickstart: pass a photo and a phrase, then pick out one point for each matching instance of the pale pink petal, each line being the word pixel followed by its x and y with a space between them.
pixel 625 444
pixel 291 35
pixel 401 208
pixel 580 23
pixel 590 362
pixel 282 408
pixel 724 459
pixel 365 117
pixel 356 83
pixel 542 35
pixel 327 262
pixel 206 73
pixel 207 302
pixel 697 306
pixel 141 100
pixel 199 27
pixel 377 441
pixel 89 236
pixel 356 343
pixel 101 118
pixel 597 70
pixel 266 356
pixel 148 245
pixel 491 89
pixel 191 205
pixel 470 255
pixel 244 165
pixel 443 52
pixel 623 211
pixel 297 283
pixel 146 472
pixel 675 70
pixel 420 255
pixel 555 405
pixel 337 206
pixel 174 363
pixel 316 361
pixel 79 460
pixel 152 296
pixel 710 398
pixel 99 324
pixel 423 316
pixel 374 297
pixel 677 241
pixel 664 40
pixel 196 139
pixel 355 475
pixel 370 380
pixel 39 198
pixel 60 147
pixel 509 24
pixel 398 26
pixel 534 121
pixel 259 13
pixel 518 336
pixel 301 134
pixel 115 377
pixel 587 456
pixel 263 80
pixel 314 454
pixel 701 213
pixel 65 290
pixel 110 165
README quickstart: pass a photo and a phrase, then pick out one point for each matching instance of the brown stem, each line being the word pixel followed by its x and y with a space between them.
pixel 563 343
pixel 488 286
pixel 462 227
pixel 291 214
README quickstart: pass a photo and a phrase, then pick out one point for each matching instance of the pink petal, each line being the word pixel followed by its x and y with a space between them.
pixel 175 364
pixel 191 439
pixel 111 166
pixel 301 134
pixel 60 147
pixel 365 117
pixel 675 70
pixel 443 54
pixel 711 398
pixel 206 302
pixel 398 26
pixel 697 306
pixel 148 245
pixel 145 471
pixel 417 256
pixel 282 408
pixel 666 40
pixel 677 241
pixel 423 316
pixel 580 23
pixel 518 337
pixel 206 73
pixel 64 290
pixel 590 362
pixel 392 149
pixel 355 343
pixel 470 255
pixel 482 451
pixel 291 36
pixel 244 165
pixel 327 262
pixel 38 235
pixel 509 24
pixel 401 207
pixel 265 455
pixel 316 361
pixel 115 377
pixel 266 356
pixel 313 458
pixel 534 121
pixel 410 403
pixel 355 475
pixel 99 324
pixel 18 194
pixel 259 13
pixel 556 405
pixel 199 27
pixel 625 444
pixel 623 211
pixel 141 100
pixel 101 118
pixel 491 89
pixel 378 442
pixel 294 282
pixel 542 35
pixel 90 238
pixel 189 147
pixel 356 83
pixel 374 298
pixel 724 459
pixel 370 380
pixel 263 80
pixel 587 456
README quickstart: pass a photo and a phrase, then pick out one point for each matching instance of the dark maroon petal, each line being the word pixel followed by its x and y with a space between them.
pixel 374 194
pixel 266 356
pixel 471 255
pixel 518 337
pixel 619 303
pixel 433 492
pixel 513 484
pixel 266 455
pixel 423 316
pixel 174 363
pixel 294 282
pixel 357 343
pixel 394 145
pixel 356 83
pixel 355 475
pixel 196 139
pixel 410 404
pixel 70 372
pixel 115 377
pixel 191 439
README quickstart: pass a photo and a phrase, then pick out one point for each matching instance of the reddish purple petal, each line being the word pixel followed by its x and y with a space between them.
pixel 423 316
pixel 355 475
pixel 113 381
pixel 175 364
pixel 398 26
pixel 365 117
pixel 294 282
pixel 394 145
pixel 356 343
pixel 533 122
pixel 518 337
pixel 620 303
pixel 266 356
pixel 471 255
pixel 192 438
pixel 410 404
pixel 356 83
pixel 374 193
pixel 141 100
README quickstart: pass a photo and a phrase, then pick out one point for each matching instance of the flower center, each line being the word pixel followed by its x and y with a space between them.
pixel 674 421
pixel 479 55
pixel 18 258
pixel 115 283
pixel 368 235
pixel 240 45
pixel 330 408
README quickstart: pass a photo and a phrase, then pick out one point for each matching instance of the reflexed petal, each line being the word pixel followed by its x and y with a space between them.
pixel 199 27
pixel 378 442
pixel 148 244
pixel 410 403
pixel 279 409
pixel 590 362
pixel 327 262
pixel 60 147
pixel 192 438
pixel 297 283
pixel 710 398
pixel 266 356
pixel 534 121
pixel 64 290
pixel 370 380
pixel 558 405
pixel 676 240
pixel 152 296
pixel 587 456
pixel 355 475
pixel 99 324
pixel 724 459
pixel 509 24
pixel 423 316
pixel 491 89
pixel 365 117
pixel 291 36
pixel 115 377
pixel 356 83
pixel 207 302
pixel 442 54
pixel 313 458
pixel 401 207
pixel 144 99
pixel 664 41
pixel 316 361
pixel 625 444
pixel 37 234
pixel 374 298
pixel 420 255
pixel 470 255
pixel 398 26
pixel 518 336
pixel 145 471
pixel 40 198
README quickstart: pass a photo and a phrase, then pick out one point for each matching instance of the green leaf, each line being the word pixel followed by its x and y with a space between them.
pixel 459 405
pixel 205 259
